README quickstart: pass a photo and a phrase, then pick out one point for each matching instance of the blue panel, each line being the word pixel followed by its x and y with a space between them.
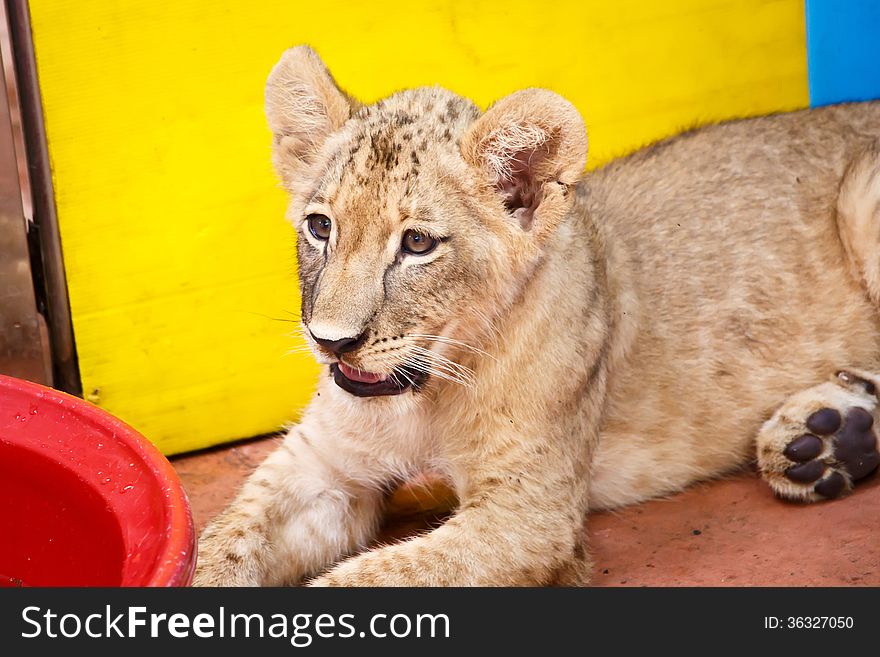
pixel 843 50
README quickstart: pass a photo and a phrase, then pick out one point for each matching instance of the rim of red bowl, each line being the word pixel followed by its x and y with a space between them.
pixel 170 570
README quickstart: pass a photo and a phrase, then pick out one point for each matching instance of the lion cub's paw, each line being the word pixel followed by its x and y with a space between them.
pixel 822 440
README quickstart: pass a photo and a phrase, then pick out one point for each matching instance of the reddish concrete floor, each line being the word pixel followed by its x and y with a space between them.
pixel 730 532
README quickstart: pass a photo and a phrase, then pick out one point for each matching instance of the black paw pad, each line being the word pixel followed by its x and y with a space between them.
pixel 832 486
pixel 806 472
pixel 805 448
pixel 856 446
pixel 824 421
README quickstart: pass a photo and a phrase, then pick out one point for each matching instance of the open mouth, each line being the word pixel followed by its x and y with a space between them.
pixel 370 384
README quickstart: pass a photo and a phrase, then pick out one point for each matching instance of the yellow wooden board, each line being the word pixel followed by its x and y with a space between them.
pixel 176 252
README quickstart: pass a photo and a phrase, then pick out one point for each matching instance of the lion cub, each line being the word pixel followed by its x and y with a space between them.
pixel 552 342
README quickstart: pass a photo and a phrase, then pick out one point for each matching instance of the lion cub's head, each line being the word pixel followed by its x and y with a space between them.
pixel 418 217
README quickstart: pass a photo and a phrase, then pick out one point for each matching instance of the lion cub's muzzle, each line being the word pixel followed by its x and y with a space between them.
pixel 362 383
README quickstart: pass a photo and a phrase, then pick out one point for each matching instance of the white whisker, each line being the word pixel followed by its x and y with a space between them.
pixel 444 363
pixel 405 376
pixel 419 367
pixel 450 341
pixel 439 369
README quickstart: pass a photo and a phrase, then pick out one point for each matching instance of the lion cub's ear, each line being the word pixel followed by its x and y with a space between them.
pixel 304 106
pixel 531 146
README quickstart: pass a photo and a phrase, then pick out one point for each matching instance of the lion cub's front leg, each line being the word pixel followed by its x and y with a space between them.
pixel 303 509
pixel 520 523
pixel 495 544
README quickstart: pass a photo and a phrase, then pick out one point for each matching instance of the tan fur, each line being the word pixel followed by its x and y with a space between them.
pixel 593 341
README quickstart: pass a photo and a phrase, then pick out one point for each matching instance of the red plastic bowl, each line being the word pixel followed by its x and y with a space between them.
pixel 84 499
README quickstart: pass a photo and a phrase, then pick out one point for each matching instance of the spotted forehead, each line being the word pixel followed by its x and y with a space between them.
pixel 382 150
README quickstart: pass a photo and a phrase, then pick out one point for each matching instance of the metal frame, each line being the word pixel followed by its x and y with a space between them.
pixel 49 281
pixel 24 348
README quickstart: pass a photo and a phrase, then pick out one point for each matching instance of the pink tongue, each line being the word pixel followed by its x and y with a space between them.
pixel 357 375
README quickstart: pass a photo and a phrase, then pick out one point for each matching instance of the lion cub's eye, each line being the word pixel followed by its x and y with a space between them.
pixel 418 243
pixel 319 226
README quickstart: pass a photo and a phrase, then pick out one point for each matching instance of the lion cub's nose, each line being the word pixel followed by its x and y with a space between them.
pixel 340 346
